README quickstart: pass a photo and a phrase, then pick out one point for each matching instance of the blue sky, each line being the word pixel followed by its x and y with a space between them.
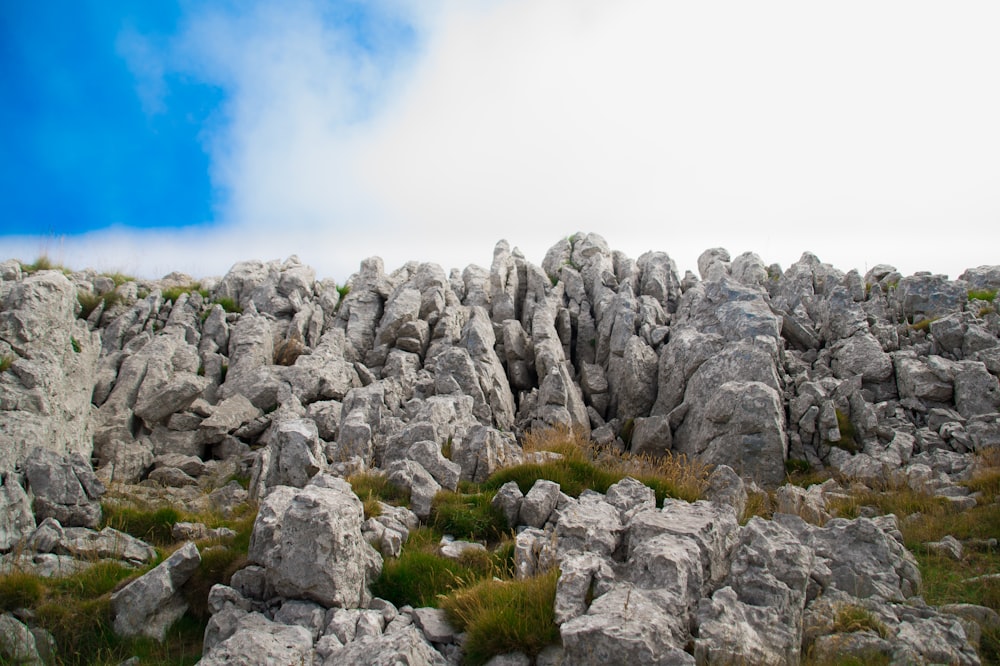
pixel 157 136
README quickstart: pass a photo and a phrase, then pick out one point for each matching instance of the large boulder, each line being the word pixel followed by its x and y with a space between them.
pixel 64 488
pixel 150 604
pixel 310 544
pixel 45 394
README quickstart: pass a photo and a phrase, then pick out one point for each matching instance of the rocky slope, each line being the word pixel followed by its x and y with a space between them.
pixel 881 377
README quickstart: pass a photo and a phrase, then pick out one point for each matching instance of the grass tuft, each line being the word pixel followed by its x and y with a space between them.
pixel 988 295
pixel 19 589
pixel 851 618
pixel 151 525
pixel 6 361
pixel 421 577
pixel 228 304
pixel 173 293
pixel 89 301
pixel 468 516
pixel 583 467
pixel 373 487
pixel 505 616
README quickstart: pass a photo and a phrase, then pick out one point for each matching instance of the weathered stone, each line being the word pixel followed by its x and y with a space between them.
pixel 588 525
pixel 651 436
pixel 629 495
pixel 726 487
pixel 508 500
pixel 625 626
pixel 731 631
pixel 17 521
pixel 226 417
pixel 17 643
pixel 64 488
pixel 309 542
pixel 429 455
pixel 410 475
pixel 538 504
pixel 151 603
pixel 405 646
pixel 293 456
pixel 45 396
pixel 254 640
pixel 484 451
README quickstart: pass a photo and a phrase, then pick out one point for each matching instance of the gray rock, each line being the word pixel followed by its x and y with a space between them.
pixel 538 504
pixel 256 641
pixel 411 476
pixel 226 417
pixel 151 603
pixel 309 542
pixel 17 643
pixel 713 528
pixel 306 614
pixel 731 631
pixel 588 525
pixel 434 623
pixel 976 390
pixel 293 456
pixel 429 455
pixel 484 451
pixel 508 500
pixel 629 495
pixel 405 646
pixel 651 436
pixel 625 626
pixel 64 488
pixel 740 424
pixel 17 521
pixel 726 487
pixel 861 354
pixel 949 546
pixel 156 405
pixel 580 574
pixel 45 396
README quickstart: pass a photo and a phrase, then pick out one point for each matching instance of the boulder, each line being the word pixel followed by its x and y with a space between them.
pixel 309 542
pixel 150 604
pixel 17 521
pixel 405 646
pixel 64 488
pixel 254 640
pixel 294 455
pixel 45 395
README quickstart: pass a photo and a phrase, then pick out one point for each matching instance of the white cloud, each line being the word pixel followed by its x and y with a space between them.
pixel 864 132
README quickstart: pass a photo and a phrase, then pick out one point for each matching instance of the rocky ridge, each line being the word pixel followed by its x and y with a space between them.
pixel 297 383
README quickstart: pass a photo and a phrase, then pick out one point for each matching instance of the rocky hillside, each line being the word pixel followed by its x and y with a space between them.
pixel 172 388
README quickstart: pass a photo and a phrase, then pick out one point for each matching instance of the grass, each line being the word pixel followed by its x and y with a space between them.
pixel 583 467
pixel 421 577
pixel 505 616
pixel 6 361
pixel 851 618
pixel 43 263
pixel 468 516
pixel 89 301
pixel 988 295
pixel 77 347
pixel 76 609
pixel 228 304
pixel 173 293
pixel 848 435
pixel 372 488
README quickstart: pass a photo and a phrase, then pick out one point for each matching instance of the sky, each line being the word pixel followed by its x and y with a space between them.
pixel 150 137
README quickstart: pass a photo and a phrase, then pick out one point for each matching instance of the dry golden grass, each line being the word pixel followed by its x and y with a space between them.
pixel 670 475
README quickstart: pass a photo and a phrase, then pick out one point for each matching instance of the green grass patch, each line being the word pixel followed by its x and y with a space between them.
pixel 505 616
pixel 228 304
pixel 988 295
pixel 19 589
pixel 468 516
pixel 373 487
pixel 173 293
pixel 75 344
pixel 848 436
pixel 151 525
pixel 6 361
pixel 420 577
pixel 89 301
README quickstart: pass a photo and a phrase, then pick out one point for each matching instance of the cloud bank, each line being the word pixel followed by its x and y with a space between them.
pixel 864 132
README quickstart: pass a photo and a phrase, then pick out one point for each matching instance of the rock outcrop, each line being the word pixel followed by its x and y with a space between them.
pixel 431 379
